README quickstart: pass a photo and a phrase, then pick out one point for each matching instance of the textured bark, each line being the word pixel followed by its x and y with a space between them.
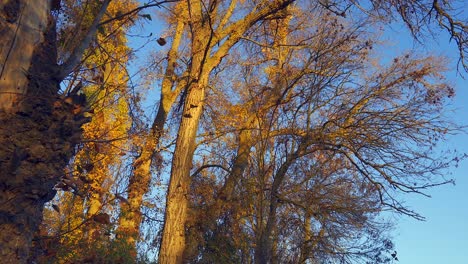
pixel 35 147
pixel 131 217
pixel 38 128
pixel 173 241
pixel 21 28
pixel 204 59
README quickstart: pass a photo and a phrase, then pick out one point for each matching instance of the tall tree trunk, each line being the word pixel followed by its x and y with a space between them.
pixel 130 218
pixel 38 129
pixel 264 252
pixel 204 58
pixel 223 202
pixel 173 240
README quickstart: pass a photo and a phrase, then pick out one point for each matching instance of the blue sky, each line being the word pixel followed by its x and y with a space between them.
pixel 443 237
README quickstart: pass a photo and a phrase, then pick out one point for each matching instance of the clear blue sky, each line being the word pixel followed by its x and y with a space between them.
pixel 443 237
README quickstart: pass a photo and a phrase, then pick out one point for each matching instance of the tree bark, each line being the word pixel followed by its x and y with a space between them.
pixel 204 59
pixel 173 240
pixel 131 217
pixel 38 128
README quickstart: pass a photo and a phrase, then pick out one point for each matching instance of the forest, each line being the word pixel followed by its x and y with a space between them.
pixel 244 131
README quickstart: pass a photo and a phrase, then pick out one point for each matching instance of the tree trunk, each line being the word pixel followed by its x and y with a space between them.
pixel 264 253
pixel 130 218
pixel 38 129
pixel 173 241
pixel 307 240
pixel 204 59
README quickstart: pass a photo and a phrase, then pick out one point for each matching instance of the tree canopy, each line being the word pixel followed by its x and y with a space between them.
pixel 254 131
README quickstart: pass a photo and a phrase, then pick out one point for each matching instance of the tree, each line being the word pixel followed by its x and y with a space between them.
pixel 79 221
pixel 207 29
pixel 39 128
pixel 172 84
pixel 406 73
pixel 41 125
pixel 307 115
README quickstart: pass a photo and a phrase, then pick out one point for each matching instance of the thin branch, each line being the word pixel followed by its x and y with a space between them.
pixel 136 10
pixel 209 166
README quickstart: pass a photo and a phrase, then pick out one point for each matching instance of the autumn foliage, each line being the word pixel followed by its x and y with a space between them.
pixel 246 132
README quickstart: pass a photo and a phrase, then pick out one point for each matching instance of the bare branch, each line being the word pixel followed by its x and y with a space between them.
pixel 75 58
pixel 209 166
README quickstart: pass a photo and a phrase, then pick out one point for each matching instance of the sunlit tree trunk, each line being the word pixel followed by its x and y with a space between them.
pixel 204 59
pixel 131 217
pixel 173 241
pixel 38 129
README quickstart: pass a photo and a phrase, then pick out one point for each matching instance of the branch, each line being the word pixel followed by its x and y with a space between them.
pixel 136 10
pixel 75 58
pixel 209 166
pixel 458 31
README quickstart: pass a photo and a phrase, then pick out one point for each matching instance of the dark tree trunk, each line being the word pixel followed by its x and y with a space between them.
pixel 38 128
